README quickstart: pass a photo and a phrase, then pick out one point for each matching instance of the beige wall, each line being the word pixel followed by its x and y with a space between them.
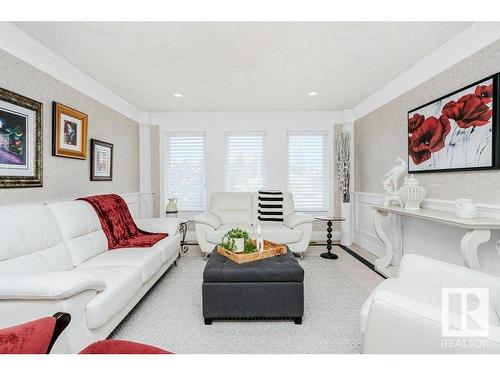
pixel 68 178
pixel 381 135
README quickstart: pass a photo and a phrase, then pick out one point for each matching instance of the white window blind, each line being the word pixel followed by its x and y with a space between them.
pixel 308 171
pixel 245 162
pixel 185 171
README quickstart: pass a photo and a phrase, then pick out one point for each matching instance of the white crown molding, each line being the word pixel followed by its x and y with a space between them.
pixel 466 43
pixel 157 118
pixel 19 44
pixel 145 118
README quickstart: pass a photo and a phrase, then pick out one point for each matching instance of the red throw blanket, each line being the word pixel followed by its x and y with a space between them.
pixel 118 225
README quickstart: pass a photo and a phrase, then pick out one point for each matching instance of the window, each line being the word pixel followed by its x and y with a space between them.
pixel 185 171
pixel 308 171
pixel 245 162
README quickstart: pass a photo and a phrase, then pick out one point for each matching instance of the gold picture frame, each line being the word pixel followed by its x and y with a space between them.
pixel 69 132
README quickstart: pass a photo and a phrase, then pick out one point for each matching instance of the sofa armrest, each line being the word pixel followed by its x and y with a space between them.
pixel 397 323
pixel 297 218
pixel 440 274
pixel 48 285
pixel 168 225
pixel 209 219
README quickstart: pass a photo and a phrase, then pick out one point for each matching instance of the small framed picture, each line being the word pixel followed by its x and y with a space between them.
pixel 20 141
pixel 69 132
pixel 101 161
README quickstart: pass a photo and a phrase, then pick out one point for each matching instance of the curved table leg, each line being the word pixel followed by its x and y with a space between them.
pixel 385 260
pixel 183 230
pixel 469 244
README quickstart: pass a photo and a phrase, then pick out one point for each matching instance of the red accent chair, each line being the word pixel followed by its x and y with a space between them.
pixel 38 337
pixel 121 347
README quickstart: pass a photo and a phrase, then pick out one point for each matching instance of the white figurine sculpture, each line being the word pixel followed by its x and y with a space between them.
pixel 391 183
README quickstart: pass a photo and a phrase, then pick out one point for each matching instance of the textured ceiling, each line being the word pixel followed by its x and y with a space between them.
pixel 242 66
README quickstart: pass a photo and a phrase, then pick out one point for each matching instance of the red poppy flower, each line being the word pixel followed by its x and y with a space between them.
pixel 468 111
pixel 485 92
pixel 428 138
pixel 414 122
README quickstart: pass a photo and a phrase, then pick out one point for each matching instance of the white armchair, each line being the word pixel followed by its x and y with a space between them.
pixel 239 210
pixel 404 314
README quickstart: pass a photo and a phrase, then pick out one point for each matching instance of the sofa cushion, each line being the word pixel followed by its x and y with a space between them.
pixel 31 240
pixel 232 207
pixel 169 247
pixel 122 283
pixel 215 236
pixel 283 268
pixel 277 232
pixel 402 287
pixel 80 228
pixel 149 260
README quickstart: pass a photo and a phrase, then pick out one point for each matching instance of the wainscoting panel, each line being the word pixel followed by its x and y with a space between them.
pixel 139 204
pixel 410 235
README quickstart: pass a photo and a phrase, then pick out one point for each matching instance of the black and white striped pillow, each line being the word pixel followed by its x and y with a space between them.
pixel 270 205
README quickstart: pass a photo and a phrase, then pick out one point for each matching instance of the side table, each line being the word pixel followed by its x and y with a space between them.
pixel 329 222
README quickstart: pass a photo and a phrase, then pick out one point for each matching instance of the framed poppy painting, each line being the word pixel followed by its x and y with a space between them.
pixel 457 132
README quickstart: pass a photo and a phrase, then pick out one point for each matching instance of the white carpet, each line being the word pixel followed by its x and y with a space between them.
pixel 170 316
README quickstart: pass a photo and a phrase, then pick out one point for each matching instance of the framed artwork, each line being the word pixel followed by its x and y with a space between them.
pixel 21 143
pixel 458 132
pixel 69 132
pixel 101 161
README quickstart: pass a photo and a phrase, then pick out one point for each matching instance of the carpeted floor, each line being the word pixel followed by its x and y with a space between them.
pixel 170 316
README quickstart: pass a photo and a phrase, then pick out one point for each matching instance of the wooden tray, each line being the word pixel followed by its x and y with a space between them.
pixel 271 249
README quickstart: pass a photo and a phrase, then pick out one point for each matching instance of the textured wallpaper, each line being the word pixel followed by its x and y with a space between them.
pixel 380 136
pixel 68 178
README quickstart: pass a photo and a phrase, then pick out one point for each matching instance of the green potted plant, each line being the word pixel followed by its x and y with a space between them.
pixel 238 241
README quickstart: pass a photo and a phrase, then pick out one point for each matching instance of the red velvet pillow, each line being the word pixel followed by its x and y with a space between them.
pixel 28 338
pixel 121 347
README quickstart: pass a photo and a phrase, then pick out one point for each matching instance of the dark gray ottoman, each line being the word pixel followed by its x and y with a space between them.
pixel 267 288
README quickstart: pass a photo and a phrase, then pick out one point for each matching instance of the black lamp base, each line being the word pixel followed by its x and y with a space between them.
pixel 329 256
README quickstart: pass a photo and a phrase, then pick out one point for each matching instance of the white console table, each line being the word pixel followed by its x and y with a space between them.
pixel 478 232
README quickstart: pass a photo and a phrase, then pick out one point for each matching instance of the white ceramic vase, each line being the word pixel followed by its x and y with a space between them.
pixel 411 193
pixel 345 226
pixel 239 244
pixel 171 210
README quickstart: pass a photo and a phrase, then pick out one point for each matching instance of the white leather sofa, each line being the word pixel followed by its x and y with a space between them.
pixel 54 257
pixel 239 210
pixel 404 314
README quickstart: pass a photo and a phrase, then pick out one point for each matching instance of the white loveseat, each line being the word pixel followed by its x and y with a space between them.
pixel 240 210
pixel 54 257
pixel 404 314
